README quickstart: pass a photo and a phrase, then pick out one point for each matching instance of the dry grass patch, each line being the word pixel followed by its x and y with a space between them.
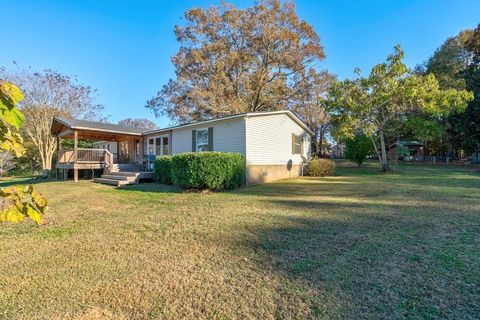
pixel 357 245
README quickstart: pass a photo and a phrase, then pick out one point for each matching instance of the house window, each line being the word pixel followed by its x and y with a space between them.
pixel 158 147
pixel 151 146
pixel 296 144
pixel 165 149
pixel 202 140
pixel 138 148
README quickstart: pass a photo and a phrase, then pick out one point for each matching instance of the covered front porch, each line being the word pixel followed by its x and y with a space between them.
pixel 128 154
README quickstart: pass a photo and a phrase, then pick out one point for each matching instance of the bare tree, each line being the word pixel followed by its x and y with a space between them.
pixel 310 104
pixel 138 123
pixel 7 162
pixel 48 94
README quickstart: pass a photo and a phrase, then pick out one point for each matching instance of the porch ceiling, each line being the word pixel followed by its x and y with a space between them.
pixel 97 136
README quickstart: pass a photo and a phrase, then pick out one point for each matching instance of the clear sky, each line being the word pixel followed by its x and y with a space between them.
pixel 123 48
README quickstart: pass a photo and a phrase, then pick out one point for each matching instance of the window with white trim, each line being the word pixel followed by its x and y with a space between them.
pixel 202 140
pixel 297 144
pixel 151 146
pixel 165 147
pixel 158 146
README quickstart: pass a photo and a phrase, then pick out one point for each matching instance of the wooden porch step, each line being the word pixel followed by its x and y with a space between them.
pixel 112 182
pixel 124 173
pixel 118 177
pixel 126 167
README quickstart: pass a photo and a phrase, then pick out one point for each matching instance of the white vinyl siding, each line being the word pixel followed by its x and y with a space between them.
pixel 228 136
pixel 269 140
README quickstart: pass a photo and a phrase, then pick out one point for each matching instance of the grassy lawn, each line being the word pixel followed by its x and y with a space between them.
pixel 358 245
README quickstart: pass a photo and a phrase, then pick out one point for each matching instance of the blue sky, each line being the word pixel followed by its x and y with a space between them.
pixel 123 48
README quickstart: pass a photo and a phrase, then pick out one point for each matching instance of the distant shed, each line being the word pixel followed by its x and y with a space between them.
pixel 406 150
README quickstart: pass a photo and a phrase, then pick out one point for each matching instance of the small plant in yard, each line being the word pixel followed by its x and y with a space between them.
pixel 358 148
pixel 208 170
pixel 163 170
pixel 321 168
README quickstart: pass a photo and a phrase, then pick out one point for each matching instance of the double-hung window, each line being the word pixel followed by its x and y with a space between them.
pixel 151 146
pixel 297 141
pixel 202 140
pixel 165 148
pixel 158 146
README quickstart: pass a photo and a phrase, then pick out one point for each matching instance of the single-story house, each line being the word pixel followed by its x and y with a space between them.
pixel 275 145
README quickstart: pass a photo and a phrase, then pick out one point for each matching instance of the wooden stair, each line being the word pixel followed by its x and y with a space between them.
pixel 117 179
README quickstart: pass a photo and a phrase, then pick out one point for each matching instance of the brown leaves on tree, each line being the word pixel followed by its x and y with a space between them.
pixel 238 60
pixel 138 123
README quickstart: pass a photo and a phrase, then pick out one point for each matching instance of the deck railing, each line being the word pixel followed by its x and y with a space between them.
pixel 65 156
pixel 86 156
pixel 90 155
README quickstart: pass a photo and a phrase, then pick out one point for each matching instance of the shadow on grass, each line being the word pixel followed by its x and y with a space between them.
pixel 151 187
pixel 375 265
pixel 368 183
pixel 6 182
pixel 401 255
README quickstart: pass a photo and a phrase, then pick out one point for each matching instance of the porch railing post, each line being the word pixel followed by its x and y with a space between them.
pixel 75 156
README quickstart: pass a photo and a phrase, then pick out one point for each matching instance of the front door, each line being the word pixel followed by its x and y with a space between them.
pixel 158 146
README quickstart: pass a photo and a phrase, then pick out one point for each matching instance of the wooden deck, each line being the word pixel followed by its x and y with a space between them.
pixel 117 174
pixel 129 148
pixel 71 165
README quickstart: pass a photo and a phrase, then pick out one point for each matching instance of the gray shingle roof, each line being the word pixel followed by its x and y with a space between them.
pixel 101 126
pixel 115 128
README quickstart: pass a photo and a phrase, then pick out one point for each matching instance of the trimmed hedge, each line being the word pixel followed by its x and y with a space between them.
pixel 208 170
pixel 163 169
pixel 321 168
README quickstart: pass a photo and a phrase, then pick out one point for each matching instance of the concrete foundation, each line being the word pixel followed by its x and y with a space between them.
pixel 258 174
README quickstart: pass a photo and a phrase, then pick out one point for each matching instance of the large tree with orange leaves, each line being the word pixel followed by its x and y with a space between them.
pixel 238 60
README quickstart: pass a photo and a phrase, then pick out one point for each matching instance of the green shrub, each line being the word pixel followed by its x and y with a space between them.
pixel 163 170
pixel 321 168
pixel 358 148
pixel 208 170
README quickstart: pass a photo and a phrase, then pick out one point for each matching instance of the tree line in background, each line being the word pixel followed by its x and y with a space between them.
pixel 383 103
pixel 265 58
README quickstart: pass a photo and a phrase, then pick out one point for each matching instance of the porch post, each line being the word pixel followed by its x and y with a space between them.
pixel 75 156
pixel 58 154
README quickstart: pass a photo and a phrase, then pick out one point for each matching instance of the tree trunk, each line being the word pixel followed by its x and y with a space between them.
pixel 47 166
pixel 379 157
pixel 320 144
pixel 384 161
